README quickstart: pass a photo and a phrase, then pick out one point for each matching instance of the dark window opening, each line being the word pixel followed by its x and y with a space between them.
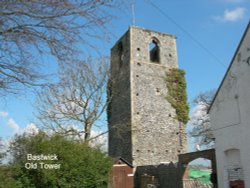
pixel 154 52
pixel 120 53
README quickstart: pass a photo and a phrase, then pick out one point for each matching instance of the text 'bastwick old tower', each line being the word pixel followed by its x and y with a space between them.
pixel 143 128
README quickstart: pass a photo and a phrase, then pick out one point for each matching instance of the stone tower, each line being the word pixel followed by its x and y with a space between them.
pixel 143 128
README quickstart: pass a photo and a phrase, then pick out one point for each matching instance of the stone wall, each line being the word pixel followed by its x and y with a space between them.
pixel 143 127
pixel 154 126
pixel 119 115
pixel 165 175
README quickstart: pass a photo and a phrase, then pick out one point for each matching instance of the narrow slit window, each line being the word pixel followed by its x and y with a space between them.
pixel 154 52
pixel 120 53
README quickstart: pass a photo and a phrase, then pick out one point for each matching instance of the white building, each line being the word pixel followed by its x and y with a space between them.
pixel 230 120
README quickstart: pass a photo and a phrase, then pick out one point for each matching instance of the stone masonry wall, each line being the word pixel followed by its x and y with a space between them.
pixel 155 130
pixel 143 128
pixel 120 109
pixel 166 175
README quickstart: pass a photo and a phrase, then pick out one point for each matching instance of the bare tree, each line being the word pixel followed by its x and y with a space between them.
pixel 76 103
pixel 200 121
pixel 31 29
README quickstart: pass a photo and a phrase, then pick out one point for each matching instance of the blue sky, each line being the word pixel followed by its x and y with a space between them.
pixel 208 32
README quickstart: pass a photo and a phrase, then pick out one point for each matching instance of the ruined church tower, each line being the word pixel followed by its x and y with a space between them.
pixel 143 128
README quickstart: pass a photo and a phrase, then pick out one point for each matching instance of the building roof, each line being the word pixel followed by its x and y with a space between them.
pixel 120 160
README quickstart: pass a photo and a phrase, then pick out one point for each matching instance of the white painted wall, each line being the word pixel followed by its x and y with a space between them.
pixel 230 116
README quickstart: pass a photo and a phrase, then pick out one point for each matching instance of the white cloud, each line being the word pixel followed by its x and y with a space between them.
pixel 12 124
pixel 101 140
pixel 3 114
pixel 232 15
pixel 31 129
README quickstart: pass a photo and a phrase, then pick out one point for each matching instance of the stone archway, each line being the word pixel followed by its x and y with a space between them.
pixel 185 158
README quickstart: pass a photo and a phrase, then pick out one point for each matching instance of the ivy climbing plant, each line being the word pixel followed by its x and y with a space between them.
pixel 177 96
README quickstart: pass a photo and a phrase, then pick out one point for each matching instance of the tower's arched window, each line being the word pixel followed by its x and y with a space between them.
pixel 154 51
pixel 120 53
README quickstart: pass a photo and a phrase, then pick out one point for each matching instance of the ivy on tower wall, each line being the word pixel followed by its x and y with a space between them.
pixel 177 95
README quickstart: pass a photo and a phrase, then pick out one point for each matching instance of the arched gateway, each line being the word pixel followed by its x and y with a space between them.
pixel 186 158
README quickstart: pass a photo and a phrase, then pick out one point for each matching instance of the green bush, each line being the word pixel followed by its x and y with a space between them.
pixel 80 165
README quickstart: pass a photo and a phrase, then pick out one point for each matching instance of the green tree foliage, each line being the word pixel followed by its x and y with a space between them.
pixel 177 95
pixel 7 180
pixel 79 165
